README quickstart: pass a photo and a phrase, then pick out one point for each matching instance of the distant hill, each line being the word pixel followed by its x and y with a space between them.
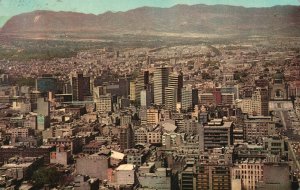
pixel 215 19
pixel 3 20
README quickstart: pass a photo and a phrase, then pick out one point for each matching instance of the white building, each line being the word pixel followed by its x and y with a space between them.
pixel 125 174
pixel 145 98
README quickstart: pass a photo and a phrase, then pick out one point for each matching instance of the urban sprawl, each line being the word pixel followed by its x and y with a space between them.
pixel 220 116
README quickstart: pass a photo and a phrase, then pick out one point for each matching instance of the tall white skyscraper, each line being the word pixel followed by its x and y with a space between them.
pixel 145 98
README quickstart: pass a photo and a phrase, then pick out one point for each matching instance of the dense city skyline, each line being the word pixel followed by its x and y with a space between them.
pixel 191 96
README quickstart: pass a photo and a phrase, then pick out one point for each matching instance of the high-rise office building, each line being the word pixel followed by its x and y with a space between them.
pixel 146 77
pixel 160 79
pixel 170 98
pixel 264 94
pixel 43 107
pixel 195 97
pixel 176 81
pixel 145 98
pixel 132 87
pixel 46 84
pixel 258 104
pixel 80 87
pixel 137 85
pixel 124 87
pixel 189 98
pixel 216 134
pixel 186 98
pixel 43 112
pixel 43 122
pixel 126 137
pixel 33 97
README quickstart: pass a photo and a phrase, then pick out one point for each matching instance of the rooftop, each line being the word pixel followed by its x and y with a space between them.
pixel 126 167
pixel 117 155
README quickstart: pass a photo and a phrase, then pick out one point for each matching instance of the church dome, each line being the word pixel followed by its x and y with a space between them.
pixel 278 76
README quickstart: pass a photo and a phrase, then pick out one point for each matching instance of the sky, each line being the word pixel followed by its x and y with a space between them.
pixel 9 8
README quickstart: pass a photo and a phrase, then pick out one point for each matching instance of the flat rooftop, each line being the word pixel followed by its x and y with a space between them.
pixel 126 167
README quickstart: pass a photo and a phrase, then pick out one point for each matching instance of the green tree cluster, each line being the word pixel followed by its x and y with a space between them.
pixel 46 175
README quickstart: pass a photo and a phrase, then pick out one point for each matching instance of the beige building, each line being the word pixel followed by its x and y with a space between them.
pixel 227 98
pixel 207 98
pixel 95 165
pixel 170 140
pixel 253 105
pixel 154 137
pixel 125 174
pixel 140 135
pixel 132 90
pixel 60 156
pixel 256 127
pixel 21 132
pixel 211 176
pixel 250 172
pixel 153 116
pixel 104 103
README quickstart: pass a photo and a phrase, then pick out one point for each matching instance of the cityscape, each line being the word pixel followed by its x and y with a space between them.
pixel 182 96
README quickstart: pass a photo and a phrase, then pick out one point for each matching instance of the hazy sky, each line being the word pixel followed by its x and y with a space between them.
pixel 9 8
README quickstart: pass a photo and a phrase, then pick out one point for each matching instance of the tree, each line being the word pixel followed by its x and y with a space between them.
pixel 46 175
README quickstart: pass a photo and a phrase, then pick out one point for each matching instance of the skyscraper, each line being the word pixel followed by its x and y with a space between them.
pixel 189 98
pixel 176 81
pixel 80 87
pixel 46 84
pixel 258 104
pixel 170 98
pixel 186 98
pixel 132 90
pixel 160 79
pixel 43 111
pixel 145 98
pixel 137 85
pixel 146 77
pixel 43 107
pixel 126 137
pixel 264 93
pixel 124 87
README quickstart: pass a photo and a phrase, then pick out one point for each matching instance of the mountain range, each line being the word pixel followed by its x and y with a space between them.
pixel 202 19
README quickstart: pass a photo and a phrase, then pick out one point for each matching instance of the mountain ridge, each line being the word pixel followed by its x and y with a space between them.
pixel 200 18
